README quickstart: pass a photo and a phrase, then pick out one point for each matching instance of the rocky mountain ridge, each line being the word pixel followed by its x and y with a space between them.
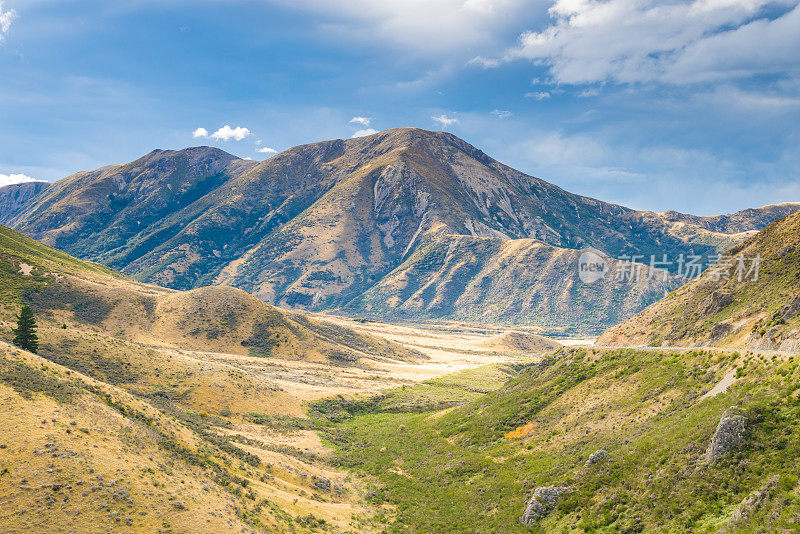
pixel 343 224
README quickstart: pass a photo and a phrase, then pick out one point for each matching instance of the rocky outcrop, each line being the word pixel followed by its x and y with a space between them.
pixel 597 457
pixel 543 501
pixel 729 435
pixel 716 301
pixel 752 503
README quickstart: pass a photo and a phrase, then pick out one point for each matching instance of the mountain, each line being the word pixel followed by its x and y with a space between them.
pixel 14 196
pixel 720 308
pixel 363 225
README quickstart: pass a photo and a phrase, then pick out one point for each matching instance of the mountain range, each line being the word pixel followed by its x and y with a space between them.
pixel 149 408
pixel 402 224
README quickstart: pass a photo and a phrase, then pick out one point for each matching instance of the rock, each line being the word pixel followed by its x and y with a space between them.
pixel 596 457
pixel 542 503
pixel 720 331
pixel 728 436
pixel 752 502
pixel 716 301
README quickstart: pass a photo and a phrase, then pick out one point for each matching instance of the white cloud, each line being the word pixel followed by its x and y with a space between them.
pixel 444 120
pixel 678 42
pixel 6 17
pixel 538 95
pixel 8 179
pixel 365 132
pixel 247 158
pixel 485 62
pixel 424 26
pixel 502 113
pixel 365 121
pixel 587 93
pixel 226 133
pixel 266 150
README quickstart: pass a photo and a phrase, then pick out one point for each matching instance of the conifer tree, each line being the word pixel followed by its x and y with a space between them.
pixel 25 333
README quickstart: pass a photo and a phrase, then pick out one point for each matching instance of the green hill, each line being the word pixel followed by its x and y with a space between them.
pixel 475 467
pixel 724 310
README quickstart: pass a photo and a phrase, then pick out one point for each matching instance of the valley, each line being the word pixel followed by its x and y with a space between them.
pixel 133 414
pixel 457 387
pixel 400 267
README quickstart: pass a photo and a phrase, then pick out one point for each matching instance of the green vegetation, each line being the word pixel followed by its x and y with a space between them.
pixel 27 380
pixel 25 333
pixel 473 467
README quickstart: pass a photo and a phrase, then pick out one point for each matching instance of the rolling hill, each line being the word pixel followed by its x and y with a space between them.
pixel 720 308
pixel 362 225
pixel 151 409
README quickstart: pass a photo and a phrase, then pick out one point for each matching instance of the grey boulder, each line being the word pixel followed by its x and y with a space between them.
pixel 542 502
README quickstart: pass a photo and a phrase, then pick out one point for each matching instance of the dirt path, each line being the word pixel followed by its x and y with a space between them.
pixel 722 386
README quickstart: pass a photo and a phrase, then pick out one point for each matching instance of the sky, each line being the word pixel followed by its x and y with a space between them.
pixel 688 105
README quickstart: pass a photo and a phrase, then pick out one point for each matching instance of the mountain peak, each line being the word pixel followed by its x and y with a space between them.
pixel 192 154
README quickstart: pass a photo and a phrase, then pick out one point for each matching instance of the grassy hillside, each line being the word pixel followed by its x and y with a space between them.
pixel 80 455
pixel 472 468
pixel 66 291
pixel 757 313
pixel 152 409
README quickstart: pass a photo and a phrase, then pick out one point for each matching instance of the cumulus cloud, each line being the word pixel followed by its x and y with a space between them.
pixel 365 121
pixel 680 42
pixel 226 133
pixel 444 120
pixel 266 150
pixel 502 113
pixel 362 133
pixel 538 95
pixel 8 179
pixel 6 17
pixel 642 40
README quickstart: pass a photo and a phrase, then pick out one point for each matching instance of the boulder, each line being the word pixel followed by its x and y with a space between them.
pixel 752 503
pixel 542 502
pixel 597 457
pixel 729 435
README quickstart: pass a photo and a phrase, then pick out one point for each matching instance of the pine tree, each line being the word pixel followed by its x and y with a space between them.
pixel 25 333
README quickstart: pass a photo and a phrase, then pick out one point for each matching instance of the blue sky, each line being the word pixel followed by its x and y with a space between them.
pixel 687 105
